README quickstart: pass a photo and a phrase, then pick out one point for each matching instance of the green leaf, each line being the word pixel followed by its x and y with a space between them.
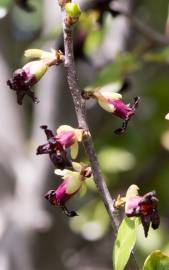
pixel 156 261
pixel 124 243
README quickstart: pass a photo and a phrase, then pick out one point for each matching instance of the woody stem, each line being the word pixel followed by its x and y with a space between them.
pixel 79 104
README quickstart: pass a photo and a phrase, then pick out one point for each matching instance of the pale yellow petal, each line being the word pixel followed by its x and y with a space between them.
pixel 77 166
pixel 132 191
pixel 64 128
pixel 106 106
pixel 73 183
pixel 74 150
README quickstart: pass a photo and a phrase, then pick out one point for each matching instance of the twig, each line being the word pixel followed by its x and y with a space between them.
pixel 79 104
pixel 149 33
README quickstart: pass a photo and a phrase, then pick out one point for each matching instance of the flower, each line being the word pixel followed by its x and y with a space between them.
pixel 73 181
pixel 55 149
pixel 69 137
pixel 23 79
pixel 112 102
pixel 144 207
pixel 66 137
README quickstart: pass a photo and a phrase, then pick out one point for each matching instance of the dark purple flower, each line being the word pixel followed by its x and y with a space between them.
pixel 55 149
pixel 23 80
pixel 144 207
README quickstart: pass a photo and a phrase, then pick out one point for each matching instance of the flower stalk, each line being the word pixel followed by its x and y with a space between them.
pixel 79 104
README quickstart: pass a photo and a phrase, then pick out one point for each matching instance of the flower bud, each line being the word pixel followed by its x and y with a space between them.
pixel 49 58
pixel 73 13
pixel 73 10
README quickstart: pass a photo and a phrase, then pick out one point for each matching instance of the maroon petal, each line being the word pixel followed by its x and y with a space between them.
pixel 145 220
pixel 21 82
pixel 48 132
pixel 43 149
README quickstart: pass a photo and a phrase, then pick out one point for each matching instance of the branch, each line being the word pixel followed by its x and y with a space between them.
pixel 79 105
pixel 149 33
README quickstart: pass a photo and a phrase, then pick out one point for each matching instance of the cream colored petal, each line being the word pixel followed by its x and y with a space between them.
pixel 111 87
pixel 64 128
pixel 74 150
pixel 37 53
pixel 106 106
pixel 167 116
pixel 79 134
pixel 61 172
pixel 111 95
pixel 77 166
pixel 132 191
pixel 73 183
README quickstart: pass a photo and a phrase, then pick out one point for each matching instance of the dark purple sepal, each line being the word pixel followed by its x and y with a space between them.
pixel 21 83
pixel 54 148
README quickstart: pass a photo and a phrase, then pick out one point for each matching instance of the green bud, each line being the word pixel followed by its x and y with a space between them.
pixel 73 10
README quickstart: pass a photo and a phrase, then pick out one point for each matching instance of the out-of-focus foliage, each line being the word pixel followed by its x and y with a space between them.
pixel 4 6
pixel 93 221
